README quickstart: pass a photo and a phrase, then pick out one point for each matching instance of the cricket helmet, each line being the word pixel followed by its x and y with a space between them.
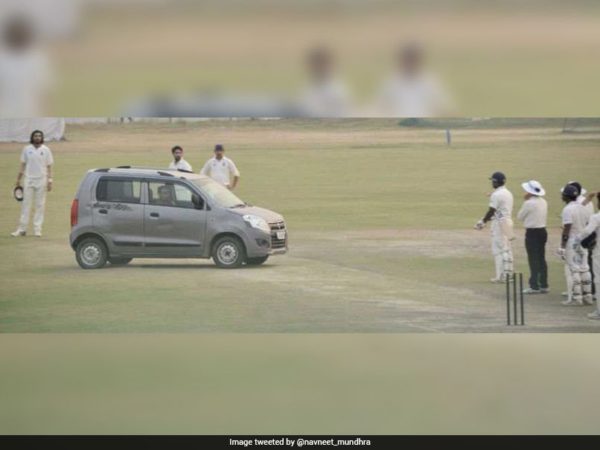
pixel 570 192
pixel 498 178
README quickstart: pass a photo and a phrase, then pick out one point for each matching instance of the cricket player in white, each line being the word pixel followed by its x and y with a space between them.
pixel 178 162
pixel 221 169
pixel 593 226
pixel 575 218
pixel 500 211
pixel 36 165
pixel 589 205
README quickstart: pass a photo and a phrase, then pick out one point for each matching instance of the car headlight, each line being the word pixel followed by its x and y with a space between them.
pixel 257 222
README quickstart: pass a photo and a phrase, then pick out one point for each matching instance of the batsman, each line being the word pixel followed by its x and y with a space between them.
pixel 500 213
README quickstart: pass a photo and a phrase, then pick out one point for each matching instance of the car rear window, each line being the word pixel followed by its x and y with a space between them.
pixel 120 191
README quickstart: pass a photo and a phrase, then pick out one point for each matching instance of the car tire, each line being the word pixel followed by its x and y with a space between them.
pixel 257 261
pixel 229 252
pixel 91 253
pixel 119 261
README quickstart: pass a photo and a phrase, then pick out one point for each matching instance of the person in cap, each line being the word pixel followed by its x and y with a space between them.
pixel 534 215
pixel 593 226
pixel 178 163
pixel 500 213
pixel 221 169
pixel 575 218
pixel 36 166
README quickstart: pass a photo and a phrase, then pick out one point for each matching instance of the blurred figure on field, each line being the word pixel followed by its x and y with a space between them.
pixel 36 166
pixel 178 162
pixel 326 95
pixel 534 215
pixel 575 218
pixel 412 91
pixel 24 70
pixel 221 169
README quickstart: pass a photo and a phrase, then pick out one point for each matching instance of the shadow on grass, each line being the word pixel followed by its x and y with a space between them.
pixel 133 266
pixel 183 266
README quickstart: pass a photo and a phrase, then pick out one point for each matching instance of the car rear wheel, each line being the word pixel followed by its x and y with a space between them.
pixel 256 261
pixel 91 253
pixel 229 252
pixel 119 261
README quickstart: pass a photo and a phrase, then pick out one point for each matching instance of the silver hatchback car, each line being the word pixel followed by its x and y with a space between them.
pixel 126 212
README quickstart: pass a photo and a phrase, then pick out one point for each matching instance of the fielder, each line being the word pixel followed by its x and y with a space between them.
pixel 221 169
pixel 593 226
pixel 178 162
pixel 500 211
pixel 575 218
pixel 36 165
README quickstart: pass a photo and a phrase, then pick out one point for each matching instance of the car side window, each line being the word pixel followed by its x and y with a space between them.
pixel 118 191
pixel 168 193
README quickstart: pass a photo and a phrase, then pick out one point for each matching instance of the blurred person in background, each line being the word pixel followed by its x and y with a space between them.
pixel 178 162
pixel 36 166
pixel 221 169
pixel 575 218
pixel 326 95
pixel 500 211
pixel 24 70
pixel 534 215
pixel 412 91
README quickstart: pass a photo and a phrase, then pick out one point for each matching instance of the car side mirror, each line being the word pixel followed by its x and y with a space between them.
pixel 197 201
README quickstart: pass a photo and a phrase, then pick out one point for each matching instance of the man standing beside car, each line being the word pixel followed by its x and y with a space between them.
pixel 36 166
pixel 178 162
pixel 221 169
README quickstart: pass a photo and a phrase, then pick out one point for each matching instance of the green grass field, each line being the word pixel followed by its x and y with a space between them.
pixel 380 221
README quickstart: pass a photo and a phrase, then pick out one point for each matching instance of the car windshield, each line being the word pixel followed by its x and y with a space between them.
pixel 218 193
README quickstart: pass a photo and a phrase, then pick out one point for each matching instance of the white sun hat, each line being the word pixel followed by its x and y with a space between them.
pixel 534 188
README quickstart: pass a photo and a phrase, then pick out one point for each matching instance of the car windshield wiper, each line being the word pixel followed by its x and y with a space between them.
pixel 239 205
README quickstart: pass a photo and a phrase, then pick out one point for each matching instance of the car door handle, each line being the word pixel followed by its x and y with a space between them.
pixel 103 211
pixel 154 215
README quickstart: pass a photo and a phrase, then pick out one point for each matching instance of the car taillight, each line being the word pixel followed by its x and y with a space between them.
pixel 74 212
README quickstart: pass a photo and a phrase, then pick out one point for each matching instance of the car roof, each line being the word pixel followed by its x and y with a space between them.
pixel 149 172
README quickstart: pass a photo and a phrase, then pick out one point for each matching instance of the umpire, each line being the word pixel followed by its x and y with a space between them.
pixel 534 214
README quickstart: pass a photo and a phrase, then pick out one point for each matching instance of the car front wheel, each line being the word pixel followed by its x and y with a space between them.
pixel 91 253
pixel 229 252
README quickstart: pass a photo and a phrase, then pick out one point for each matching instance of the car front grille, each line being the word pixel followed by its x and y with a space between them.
pixel 277 243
